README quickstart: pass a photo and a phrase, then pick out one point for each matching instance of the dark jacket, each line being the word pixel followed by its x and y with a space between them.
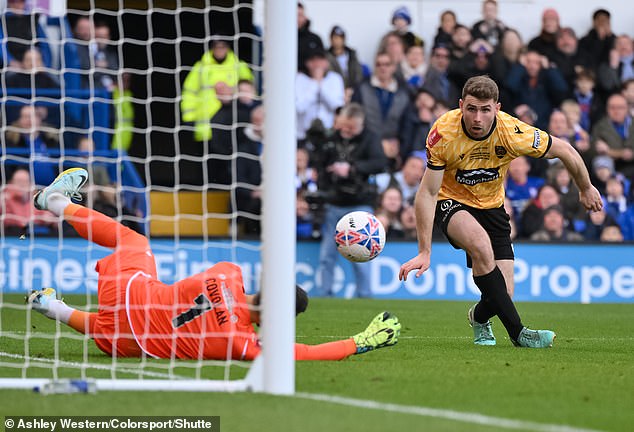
pixel 598 50
pixel 390 125
pixel 433 85
pixel 354 75
pixel 307 42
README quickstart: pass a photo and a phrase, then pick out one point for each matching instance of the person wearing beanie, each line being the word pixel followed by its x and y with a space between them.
pixel 401 20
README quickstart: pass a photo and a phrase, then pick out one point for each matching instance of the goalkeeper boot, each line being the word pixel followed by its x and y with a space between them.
pixel 535 338
pixel 383 330
pixel 40 300
pixel 482 333
pixel 67 183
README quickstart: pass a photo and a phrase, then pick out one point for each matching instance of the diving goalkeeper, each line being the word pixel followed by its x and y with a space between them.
pixel 205 316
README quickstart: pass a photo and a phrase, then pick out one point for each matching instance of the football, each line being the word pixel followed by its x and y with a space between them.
pixel 360 236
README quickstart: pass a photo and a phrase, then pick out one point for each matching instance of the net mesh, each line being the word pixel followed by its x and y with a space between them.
pixel 103 89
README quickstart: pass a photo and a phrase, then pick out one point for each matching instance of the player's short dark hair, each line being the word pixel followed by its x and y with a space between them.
pixel 482 88
pixel 301 300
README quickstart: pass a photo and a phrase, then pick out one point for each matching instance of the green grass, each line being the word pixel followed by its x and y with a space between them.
pixel 585 381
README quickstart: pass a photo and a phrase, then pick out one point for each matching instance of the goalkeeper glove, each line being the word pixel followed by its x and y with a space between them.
pixel 383 330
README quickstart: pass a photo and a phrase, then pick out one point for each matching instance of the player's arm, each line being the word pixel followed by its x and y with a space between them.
pixel 425 208
pixel 588 195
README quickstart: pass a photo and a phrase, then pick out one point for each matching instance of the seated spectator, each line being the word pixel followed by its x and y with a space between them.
pixel 506 54
pixel 526 114
pixel 598 42
pixel 554 227
pixel 602 170
pixel 559 177
pixel 318 93
pixel 20 30
pixel 408 220
pixel 385 104
pixel 475 62
pixel 615 197
pixel 546 42
pixel 437 80
pixel 344 61
pixel 16 207
pixel 413 68
pixel 307 41
pixel 31 74
pixel 407 179
pixel 613 135
pixel 417 123
pixel 611 234
pixel 489 28
pixel 445 30
pixel 401 20
pixel 534 83
pixel 305 176
pixel 532 217
pixel 29 131
pixel 594 224
pixel 559 126
pixel 567 57
pixel 388 212
pixel 393 45
pixel 99 57
pixel 627 223
pixel 627 90
pixel 305 219
pixel 620 66
pixel 592 106
pixel 460 41
pixel 579 138
pixel 520 187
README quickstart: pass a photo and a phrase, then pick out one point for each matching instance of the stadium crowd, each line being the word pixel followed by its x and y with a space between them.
pixel 577 87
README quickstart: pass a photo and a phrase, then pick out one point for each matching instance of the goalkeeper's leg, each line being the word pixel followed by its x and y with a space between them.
pixel 46 302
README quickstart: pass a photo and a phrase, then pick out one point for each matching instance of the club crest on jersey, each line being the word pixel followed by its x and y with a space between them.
pixel 433 138
pixel 500 151
pixel 537 139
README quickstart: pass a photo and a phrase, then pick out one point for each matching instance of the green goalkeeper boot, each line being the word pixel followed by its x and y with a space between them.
pixel 383 330
pixel 67 183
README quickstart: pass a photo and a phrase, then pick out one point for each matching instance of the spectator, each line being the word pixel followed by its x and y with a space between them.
pixel 489 28
pixel 199 101
pixel 536 84
pixel 627 90
pixel 506 54
pixel 532 217
pixel 567 57
pixel 307 41
pixel 473 63
pixel 31 132
pixel 545 43
pixel 417 124
pixel 611 234
pixel 602 170
pixel 389 212
pixel 508 207
pixel 98 171
pixel 554 228
pixel 413 68
pixel 526 114
pixel 460 41
pixel 344 165
pixel 592 107
pixel 109 201
pixel 407 179
pixel 20 31
pixel 437 81
pixel 344 60
pixel 559 178
pixel 445 30
pixel 595 222
pixel 598 42
pixel 247 95
pixel 305 176
pixel 520 187
pixel 408 221
pixel 619 67
pixel 627 223
pixel 318 93
pixel 32 74
pixel 615 197
pixel 16 207
pixel 401 20
pixel 613 135
pixel 393 45
pixel 579 138
pixel 98 56
pixel 385 104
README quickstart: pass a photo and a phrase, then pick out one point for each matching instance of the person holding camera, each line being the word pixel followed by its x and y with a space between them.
pixel 345 159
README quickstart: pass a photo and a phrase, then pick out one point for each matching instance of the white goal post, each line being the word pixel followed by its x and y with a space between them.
pixel 274 370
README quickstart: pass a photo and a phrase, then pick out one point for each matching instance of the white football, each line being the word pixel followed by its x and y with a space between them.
pixel 360 236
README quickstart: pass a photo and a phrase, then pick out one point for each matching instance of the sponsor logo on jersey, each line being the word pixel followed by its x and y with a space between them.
pixel 537 139
pixel 500 151
pixel 433 138
pixel 476 176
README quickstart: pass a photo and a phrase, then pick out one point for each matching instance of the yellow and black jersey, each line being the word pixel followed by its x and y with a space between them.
pixel 475 168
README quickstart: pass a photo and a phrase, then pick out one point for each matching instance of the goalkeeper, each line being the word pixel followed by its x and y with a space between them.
pixel 205 316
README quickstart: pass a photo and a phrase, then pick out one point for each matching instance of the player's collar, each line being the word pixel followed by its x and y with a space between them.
pixel 464 129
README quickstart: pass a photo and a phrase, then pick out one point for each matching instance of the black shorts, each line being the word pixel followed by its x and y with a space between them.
pixel 494 221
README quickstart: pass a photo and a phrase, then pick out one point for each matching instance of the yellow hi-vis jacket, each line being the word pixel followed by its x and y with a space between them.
pixel 199 102
pixel 124 119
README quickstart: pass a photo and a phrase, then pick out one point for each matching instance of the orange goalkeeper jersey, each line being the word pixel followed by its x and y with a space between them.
pixel 475 168
pixel 204 316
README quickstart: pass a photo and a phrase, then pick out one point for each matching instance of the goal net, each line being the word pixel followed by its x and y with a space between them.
pixel 171 152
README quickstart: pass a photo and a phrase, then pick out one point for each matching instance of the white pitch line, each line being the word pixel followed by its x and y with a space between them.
pixel 78 365
pixel 465 417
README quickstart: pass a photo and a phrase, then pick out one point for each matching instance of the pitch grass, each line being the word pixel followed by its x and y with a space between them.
pixel 585 381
